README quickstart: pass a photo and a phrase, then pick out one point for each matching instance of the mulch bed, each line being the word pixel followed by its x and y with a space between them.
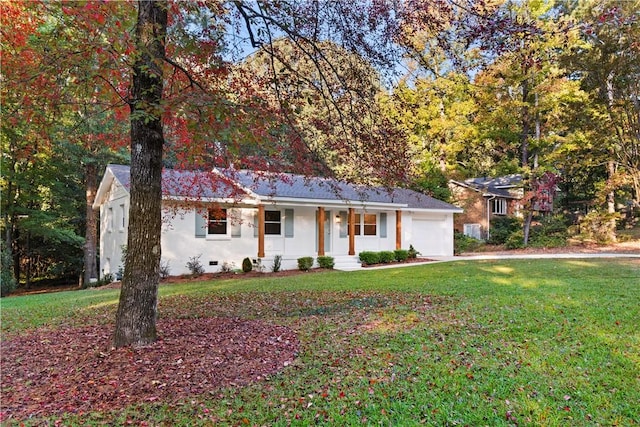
pixel 50 372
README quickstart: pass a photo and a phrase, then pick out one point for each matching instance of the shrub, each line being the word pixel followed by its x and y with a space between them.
pixel 401 254
pixel 387 256
pixel 258 266
pixel 515 240
pixel 165 269
pixel 277 263
pixel 104 280
pixel 412 252
pixel 195 266
pixel 463 243
pixel 227 267
pixel 305 263
pixel 247 265
pixel 502 227
pixel 369 258
pixel 598 226
pixel 326 261
pixel 7 281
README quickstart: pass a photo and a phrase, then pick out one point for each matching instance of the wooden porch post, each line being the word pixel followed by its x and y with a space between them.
pixel 260 231
pixel 320 231
pixel 352 231
pixel 398 229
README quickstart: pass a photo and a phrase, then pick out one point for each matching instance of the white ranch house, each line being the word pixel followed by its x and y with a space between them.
pixel 227 215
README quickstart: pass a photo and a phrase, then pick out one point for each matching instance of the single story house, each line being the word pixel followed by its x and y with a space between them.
pixel 483 199
pixel 225 215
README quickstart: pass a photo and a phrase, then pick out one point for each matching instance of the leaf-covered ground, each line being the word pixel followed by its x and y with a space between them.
pixel 74 370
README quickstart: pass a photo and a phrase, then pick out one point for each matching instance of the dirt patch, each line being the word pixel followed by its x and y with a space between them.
pixel 47 373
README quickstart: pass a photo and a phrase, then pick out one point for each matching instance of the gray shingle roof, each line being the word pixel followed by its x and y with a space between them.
pixel 231 183
pixel 502 186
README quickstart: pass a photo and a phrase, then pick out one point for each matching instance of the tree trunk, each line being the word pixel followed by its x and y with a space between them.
pixel 91 224
pixel 526 229
pixel 526 125
pixel 137 309
pixel 611 200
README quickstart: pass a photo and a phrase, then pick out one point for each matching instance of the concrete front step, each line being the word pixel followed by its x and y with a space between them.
pixel 347 263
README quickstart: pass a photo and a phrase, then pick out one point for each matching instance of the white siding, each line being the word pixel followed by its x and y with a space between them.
pixel 112 235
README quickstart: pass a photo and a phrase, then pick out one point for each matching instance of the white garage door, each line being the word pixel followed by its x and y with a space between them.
pixel 429 236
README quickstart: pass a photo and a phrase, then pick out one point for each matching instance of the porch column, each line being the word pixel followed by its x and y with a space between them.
pixel 320 231
pixel 260 231
pixel 398 229
pixel 352 231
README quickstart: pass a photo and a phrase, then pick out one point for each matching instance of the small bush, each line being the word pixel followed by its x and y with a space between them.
pixel 258 266
pixel 369 258
pixel 195 266
pixel 247 265
pixel 7 281
pixel 502 227
pixel 387 256
pixel 227 267
pixel 104 280
pixel 277 263
pixel 412 252
pixel 305 263
pixel 326 261
pixel 463 243
pixel 165 269
pixel 515 240
pixel 401 255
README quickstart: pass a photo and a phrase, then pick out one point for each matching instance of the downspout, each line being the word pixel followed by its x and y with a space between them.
pixel 493 196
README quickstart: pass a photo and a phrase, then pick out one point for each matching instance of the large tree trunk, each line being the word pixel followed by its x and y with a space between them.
pixel 137 309
pixel 91 224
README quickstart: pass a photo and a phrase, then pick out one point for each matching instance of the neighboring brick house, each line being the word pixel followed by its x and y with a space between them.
pixel 483 199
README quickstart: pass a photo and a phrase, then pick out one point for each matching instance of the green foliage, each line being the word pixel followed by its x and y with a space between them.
pixel 550 232
pixel 386 256
pixel 502 227
pixel 463 243
pixel 369 257
pixel 598 226
pixel 305 263
pixel 413 253
pixel 247 265
pixel 277 263
pixel 401 254
pixel 515 240
pixel 103 281
pixel 7 281
pixel 195 266
pixel 326 261
pixel 434 182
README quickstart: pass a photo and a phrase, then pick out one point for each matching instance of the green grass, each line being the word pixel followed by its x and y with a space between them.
pixel 517 342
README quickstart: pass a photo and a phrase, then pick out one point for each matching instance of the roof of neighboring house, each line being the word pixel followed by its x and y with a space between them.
pixel 247 184
pixel 502 186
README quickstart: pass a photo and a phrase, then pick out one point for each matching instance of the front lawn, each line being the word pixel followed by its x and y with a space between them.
pixel 515 342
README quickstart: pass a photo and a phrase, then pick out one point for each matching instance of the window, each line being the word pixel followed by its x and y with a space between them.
pixel 369 224
pixel 110 220
pixel 217 221
pixel 368 228
pixel 122 216
pixel 499 206
pixel 272 222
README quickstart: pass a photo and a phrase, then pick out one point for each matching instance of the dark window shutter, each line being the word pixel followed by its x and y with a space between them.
pixel 201 223
pixel 288 223
pixel 383 224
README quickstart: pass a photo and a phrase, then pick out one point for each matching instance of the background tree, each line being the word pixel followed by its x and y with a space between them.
pixel 606 62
